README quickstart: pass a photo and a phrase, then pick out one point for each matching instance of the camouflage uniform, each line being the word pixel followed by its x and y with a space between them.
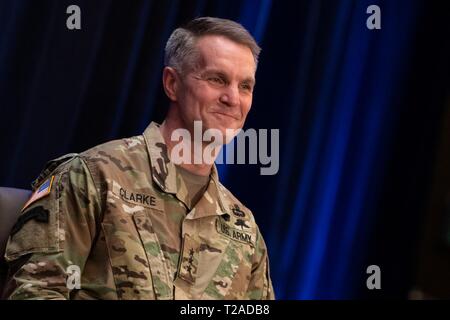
pixel 120 212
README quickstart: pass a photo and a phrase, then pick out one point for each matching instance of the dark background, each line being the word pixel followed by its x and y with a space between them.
pixel 363 117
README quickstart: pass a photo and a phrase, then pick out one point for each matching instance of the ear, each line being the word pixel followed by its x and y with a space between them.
pixel 170 83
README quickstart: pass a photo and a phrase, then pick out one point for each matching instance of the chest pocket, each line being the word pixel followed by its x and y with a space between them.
pixel 138 264
pixel 213 266
pixel 230 279
pixel 128 259
pixel 162 284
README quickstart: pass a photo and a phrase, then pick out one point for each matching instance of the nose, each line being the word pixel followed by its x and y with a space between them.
pixel 230 96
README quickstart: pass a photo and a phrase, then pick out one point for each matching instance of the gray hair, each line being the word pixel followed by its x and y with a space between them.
pixel 180 52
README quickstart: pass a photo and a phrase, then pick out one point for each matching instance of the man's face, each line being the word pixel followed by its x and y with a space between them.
pixel 219 90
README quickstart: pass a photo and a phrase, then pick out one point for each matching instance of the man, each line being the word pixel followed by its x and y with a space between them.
pixel 123 221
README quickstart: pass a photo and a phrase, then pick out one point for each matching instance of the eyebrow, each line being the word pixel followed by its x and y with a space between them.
pixel 250 80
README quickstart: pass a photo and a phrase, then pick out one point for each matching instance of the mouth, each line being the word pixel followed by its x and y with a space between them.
pixel 235 117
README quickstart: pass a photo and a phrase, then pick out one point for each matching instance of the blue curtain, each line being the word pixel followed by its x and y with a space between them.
pixel 345 98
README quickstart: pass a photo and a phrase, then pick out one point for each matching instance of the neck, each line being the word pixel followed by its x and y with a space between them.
pixel 197 164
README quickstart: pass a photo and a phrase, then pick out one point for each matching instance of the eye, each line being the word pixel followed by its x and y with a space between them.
pixel 216 80
pixel 246 87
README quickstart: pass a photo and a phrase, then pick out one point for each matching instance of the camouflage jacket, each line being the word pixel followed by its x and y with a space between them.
pixel 118 219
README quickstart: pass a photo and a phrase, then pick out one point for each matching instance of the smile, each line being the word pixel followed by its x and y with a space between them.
pixel 227 115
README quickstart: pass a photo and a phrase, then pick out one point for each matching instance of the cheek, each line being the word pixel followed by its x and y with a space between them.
pixel 205 97
pixel 246 106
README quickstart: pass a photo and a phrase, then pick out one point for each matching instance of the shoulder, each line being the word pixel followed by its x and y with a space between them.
pixel 91 167
pixel 116 155
pixel 121 148
pixel 64 186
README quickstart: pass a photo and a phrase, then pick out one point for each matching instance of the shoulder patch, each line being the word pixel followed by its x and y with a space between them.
pixel 37 213
pixel 41 192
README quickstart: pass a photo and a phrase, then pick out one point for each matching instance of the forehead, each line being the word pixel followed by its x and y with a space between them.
pixel 218 52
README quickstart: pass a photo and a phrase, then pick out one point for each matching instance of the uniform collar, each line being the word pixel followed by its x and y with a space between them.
pixel 163 170
pixel 168 179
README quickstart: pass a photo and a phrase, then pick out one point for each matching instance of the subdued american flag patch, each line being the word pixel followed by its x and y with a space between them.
pixel 42 191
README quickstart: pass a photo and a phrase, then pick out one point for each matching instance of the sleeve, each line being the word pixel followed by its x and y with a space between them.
pixel 49 245
pixel 260 286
